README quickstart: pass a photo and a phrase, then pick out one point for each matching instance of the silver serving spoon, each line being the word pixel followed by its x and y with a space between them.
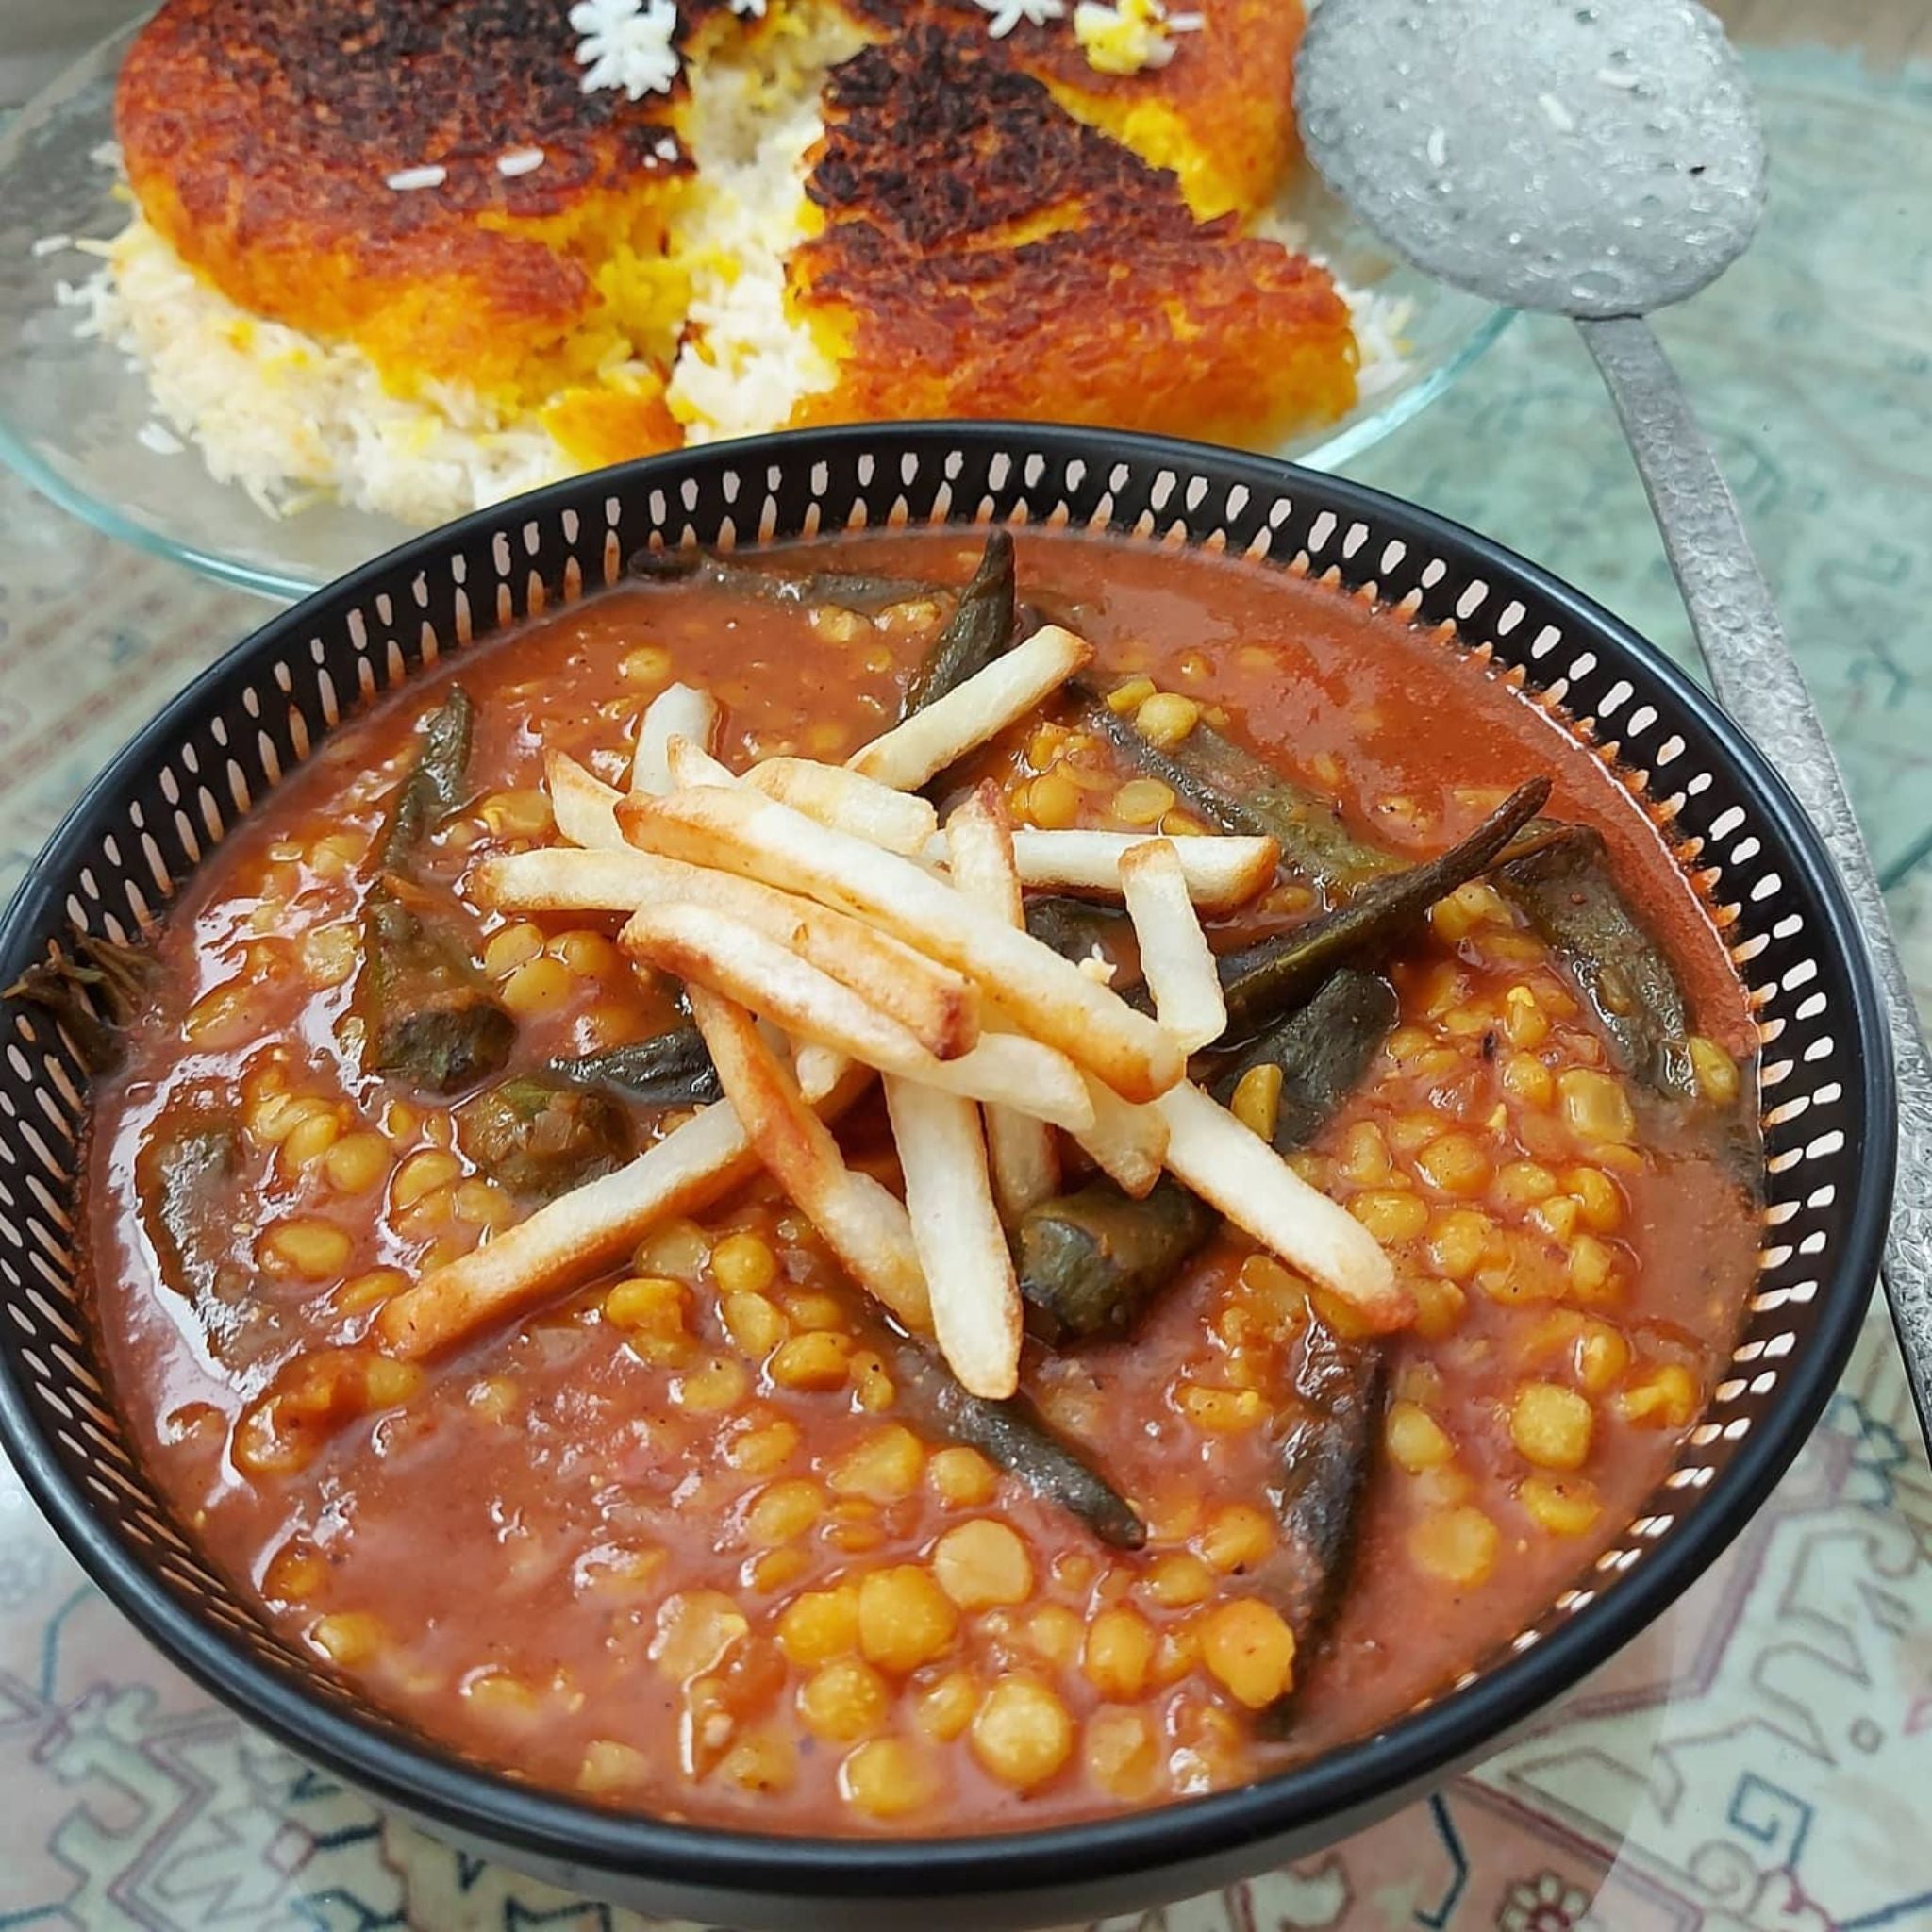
pixel 1600 158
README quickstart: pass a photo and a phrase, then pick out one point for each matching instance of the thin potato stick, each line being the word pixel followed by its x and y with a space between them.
pixel 1236 1171
pixel 710 948
pixel 705 947
pixel 981 708
pixel 955 1228
pixel 584 806
pixel 678 710
pixel 902 822
pixel 979 844
pixel 815 1066
pixel 1007 1069
pixel 567 878
pixel 570 1239
pixel 861 1223
pixel 939 1006
pixel 1174 955
pixel 1222 871
pixel 691 764
pixel 739 832
pixel 1130 1143
pixel 897 821
pixel 575 879
pixel 1024 1160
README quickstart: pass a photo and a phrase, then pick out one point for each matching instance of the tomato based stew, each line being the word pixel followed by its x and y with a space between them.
pixel 485 1297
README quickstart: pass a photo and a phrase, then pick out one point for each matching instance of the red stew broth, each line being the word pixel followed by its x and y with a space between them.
pixel 570 1549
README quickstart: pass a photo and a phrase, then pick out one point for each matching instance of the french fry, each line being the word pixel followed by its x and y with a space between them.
pixel 706 947
pixel 955 1228
pixel 969 714
pixel 1010 1070
pixel 1174 955
pixel 816 1067
pixel 1128 1143
pixel 739 832
pixel 1236 1171
pixel 691 764
pixel 939 1006
pixel 569 1240
pixel 979 848
pixel 1222 871
pixel 568 879
pixel 900 821
pixel 584 806
pixel 678 710
pixel 1025 1160
pixel 862 1224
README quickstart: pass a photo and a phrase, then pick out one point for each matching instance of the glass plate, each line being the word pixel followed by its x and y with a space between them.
pixel 73 410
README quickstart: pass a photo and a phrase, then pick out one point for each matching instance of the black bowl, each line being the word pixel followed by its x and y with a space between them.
pixel 227 740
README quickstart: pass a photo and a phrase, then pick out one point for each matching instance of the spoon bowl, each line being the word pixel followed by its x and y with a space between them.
pixel 1591 160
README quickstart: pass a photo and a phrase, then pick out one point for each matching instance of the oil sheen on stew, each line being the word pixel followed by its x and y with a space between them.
pixel 691 1536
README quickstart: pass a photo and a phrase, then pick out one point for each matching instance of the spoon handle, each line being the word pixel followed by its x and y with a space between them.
pixel 1751 665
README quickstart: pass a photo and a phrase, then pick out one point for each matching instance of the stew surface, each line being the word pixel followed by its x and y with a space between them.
pixel 683 1536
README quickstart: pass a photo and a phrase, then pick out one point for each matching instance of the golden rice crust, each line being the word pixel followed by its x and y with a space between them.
pixel 260 139
pixel 1054 275
pixel 1218 114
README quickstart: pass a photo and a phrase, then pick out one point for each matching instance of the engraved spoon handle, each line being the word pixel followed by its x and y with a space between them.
pixel 1751 665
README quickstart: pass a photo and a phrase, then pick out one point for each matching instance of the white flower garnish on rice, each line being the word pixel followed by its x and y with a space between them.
pixel 753 9
pixel 627 43
pixel 1008 14
pixel 1131 35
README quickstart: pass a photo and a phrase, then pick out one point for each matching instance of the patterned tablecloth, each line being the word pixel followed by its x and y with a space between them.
pixel 1762 1757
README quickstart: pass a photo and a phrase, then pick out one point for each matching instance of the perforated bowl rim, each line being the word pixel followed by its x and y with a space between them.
pixel 1348 1782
